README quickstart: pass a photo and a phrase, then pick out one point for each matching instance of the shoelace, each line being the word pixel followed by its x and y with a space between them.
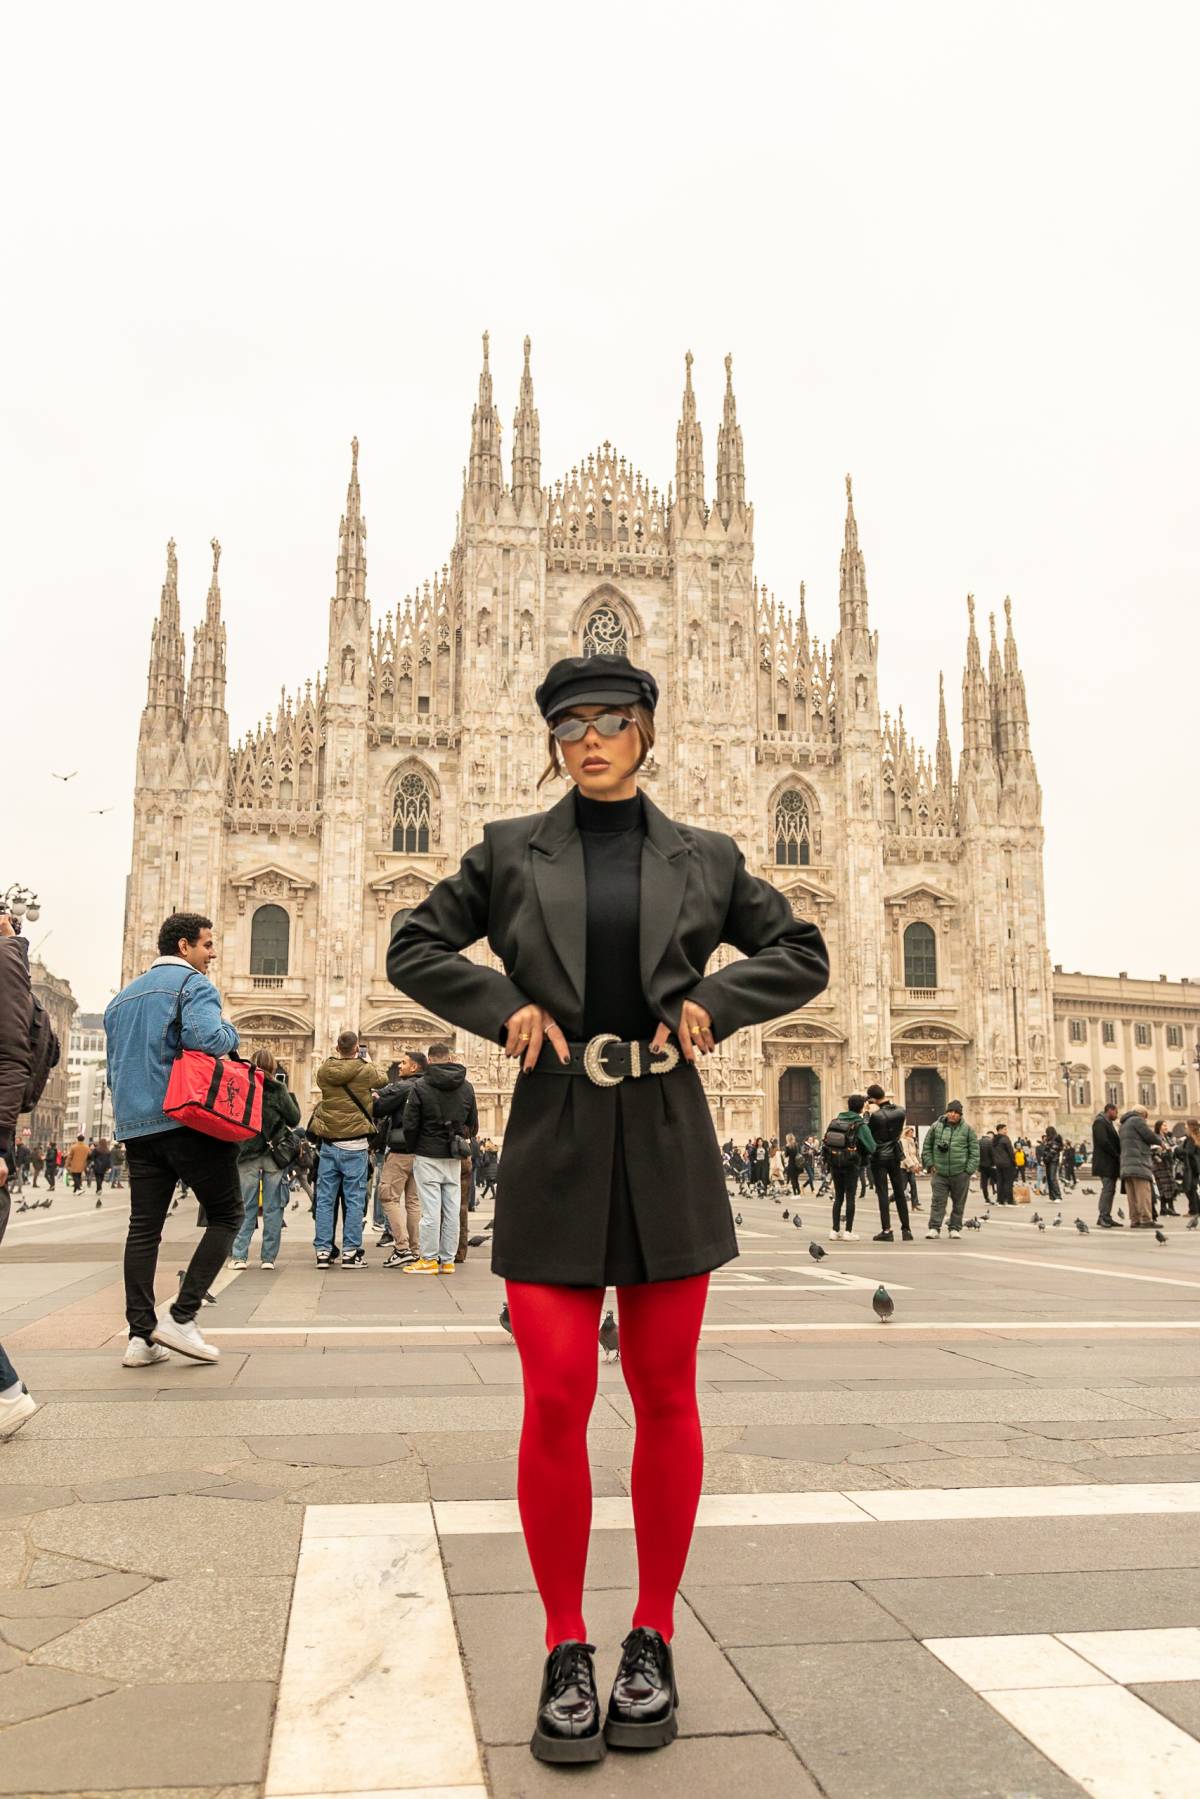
pixel 574 1668
pixel 642 1653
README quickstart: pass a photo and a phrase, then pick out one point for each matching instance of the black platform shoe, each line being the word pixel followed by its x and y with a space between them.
pixel 641 1709
pixel 568 1720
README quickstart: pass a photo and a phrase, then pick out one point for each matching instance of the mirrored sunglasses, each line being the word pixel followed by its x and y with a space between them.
pixel 571 730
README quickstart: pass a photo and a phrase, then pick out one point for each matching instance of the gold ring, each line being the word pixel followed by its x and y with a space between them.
pixel 524 1037
pixel 697 1030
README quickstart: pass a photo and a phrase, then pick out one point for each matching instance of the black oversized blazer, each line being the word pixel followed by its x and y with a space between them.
pixel 523 888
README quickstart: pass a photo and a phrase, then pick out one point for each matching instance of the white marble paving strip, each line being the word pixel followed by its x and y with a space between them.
pixel 1137 1656
pixel 1105 1738
pixel 491 1517
pixel 1110 1274
pixel 898 1504
pixel 303 1328
pixel 371 1640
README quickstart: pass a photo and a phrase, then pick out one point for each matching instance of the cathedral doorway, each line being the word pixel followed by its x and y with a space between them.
pixel 924 1096
pixel 799 1103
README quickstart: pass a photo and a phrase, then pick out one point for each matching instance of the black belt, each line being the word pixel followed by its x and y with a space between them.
pixel 607 1061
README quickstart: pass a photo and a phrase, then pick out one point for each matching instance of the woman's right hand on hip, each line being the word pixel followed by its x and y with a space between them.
pixel 526 1031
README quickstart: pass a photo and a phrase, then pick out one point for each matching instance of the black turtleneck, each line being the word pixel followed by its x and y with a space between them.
pixel 612 833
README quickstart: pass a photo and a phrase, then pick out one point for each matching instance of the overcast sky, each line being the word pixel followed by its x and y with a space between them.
pixel 951 247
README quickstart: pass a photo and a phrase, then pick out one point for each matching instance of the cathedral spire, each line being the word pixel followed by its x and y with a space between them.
pixel 853 574
pixel 352 540
pixel 1013 712
pixel 689 451
pixel 976 709
pixel 943 762
pixel 527 450
pixel 731 464
pixel 206 681
pixel 485 476
pixel 165 682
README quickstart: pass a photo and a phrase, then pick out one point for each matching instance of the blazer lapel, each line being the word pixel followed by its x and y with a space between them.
pixel 664 882
pixel 561 888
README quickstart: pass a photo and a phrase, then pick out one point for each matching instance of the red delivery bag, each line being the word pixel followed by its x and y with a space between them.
pixel 221 1096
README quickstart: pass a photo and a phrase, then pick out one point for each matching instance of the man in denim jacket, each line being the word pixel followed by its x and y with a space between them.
pixel 173 1003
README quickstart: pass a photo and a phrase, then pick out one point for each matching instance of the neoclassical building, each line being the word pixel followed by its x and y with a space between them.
pixel 308 838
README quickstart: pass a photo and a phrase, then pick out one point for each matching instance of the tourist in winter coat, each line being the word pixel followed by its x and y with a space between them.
pixel 1164 1169
pixel 257 1166
pixel 1191 1165
pixel 1106 1164
pixel 1004 1166
pixel 1137 1166
pixel 344 1123
pixel 951 1154
pixel 604 914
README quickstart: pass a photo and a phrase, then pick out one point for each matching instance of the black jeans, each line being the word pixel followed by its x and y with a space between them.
pixel 845 1189
pixel 210 1170
pixel 1004 1179
pixel 885 1167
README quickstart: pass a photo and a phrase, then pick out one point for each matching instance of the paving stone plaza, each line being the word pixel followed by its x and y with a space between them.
pixel 948 1558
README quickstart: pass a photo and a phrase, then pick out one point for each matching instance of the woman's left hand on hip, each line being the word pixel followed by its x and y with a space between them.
pixel 694 1033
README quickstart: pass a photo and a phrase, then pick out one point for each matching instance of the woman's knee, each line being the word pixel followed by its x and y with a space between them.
pixel 560 1407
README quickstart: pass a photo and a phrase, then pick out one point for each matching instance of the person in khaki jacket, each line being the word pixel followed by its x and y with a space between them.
pixel 344 1123
pixel 77 1161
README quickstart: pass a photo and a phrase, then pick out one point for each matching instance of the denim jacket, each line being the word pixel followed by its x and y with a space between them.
pixel 143 1040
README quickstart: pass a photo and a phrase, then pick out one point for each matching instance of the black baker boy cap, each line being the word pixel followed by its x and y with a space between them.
pixel 595 681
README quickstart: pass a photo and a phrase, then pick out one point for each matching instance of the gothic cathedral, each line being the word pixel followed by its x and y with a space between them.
pixel 312 836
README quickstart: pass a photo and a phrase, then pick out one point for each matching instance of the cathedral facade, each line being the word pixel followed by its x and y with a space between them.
pixel 311 837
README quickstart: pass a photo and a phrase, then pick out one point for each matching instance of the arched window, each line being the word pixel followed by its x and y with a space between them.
pixel 920 956
pixel 604 634
pixel 793 834
pixel 269 931
pixel 410 816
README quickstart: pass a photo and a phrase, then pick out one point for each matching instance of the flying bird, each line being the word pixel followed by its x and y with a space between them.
pixel 476 1242
pixel 504 1318
pixel 816 1252
pixel 99 811
pixel 69 777
pixel 1160 1236
pixel 883 1304
pixel 610 1338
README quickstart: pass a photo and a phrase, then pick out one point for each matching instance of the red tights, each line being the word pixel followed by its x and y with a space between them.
pixel 556 1333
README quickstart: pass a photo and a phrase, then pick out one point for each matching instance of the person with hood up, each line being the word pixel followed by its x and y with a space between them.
pixel 440 1118
pixel 344 1123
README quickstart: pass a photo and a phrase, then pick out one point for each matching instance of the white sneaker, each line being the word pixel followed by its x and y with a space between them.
pixel 268 1266
pixel 141 1354
pixel 929 1234
pixel 849 1237
pixel 185 1339
pixel 15 1410
pixel 234 1263
pixel 833 1236
pixel 954 1233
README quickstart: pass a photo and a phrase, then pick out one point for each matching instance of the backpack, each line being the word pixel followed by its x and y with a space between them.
pixel 45 1054
pixel 840 1144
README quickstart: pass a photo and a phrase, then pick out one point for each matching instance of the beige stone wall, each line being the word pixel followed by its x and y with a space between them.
pixel 1137 1039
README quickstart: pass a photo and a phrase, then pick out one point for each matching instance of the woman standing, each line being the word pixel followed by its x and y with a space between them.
pixel 604 914
pixel 910 1163
pixel 1164 1169
pixel 791 1162
pixel 258 1165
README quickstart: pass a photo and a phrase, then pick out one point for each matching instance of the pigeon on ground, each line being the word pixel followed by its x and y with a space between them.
pixel 610 1338
pixel 1089 1189
pixel 99 1203
pixel 22 1206
pixel 489 1224
pixel 737 1217
pixel 1041 1224
pixel 974 1224
pixel 1056 1223
pixel 1081 1227
pixel 883 1304
pixel 1160 1236
pixel 476 1242
pixel 1037 1218
pixel 504 1318
pixel 1120 1215
pixel 786 1214
pixel 816 1252
pixel 797 1220
pixel 1192 1223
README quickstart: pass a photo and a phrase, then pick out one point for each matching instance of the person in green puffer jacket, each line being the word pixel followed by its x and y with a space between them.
pixel 951 1154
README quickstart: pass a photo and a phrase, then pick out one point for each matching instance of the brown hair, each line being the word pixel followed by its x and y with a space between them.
pixel 347 1043
pixel 1193 1129
pixel 265 1060
pixel 643 721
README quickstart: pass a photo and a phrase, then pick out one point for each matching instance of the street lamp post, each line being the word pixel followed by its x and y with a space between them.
pixel 1065 1068
pixel 21 902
